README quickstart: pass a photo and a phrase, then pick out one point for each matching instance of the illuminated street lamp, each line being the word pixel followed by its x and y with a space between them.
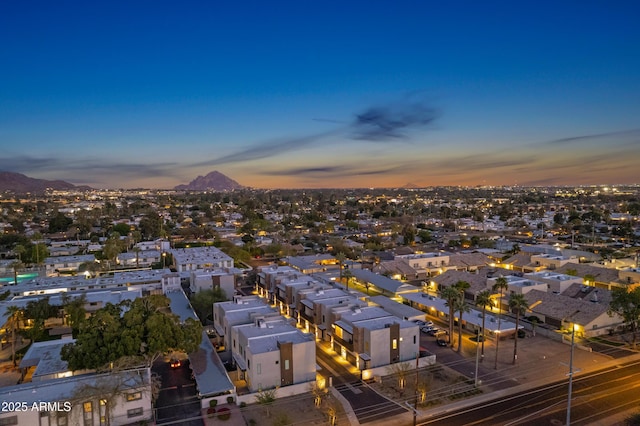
pixel 164 256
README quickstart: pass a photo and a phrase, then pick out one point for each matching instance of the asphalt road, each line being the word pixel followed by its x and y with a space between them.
pixel 177 402
pixel 595 397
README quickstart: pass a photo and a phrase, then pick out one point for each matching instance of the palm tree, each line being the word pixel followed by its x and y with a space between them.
pixel 519 304
pixel 450 294
pixel 462 307
pixel 137 251
pixel 340 257
pixel 462 286
pixel 13 314
pixel 483 299
pixel 501 284
pixel 348 275
pixel 15 265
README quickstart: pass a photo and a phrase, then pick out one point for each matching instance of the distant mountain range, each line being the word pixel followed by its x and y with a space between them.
pixel 214 181
pixel 20 183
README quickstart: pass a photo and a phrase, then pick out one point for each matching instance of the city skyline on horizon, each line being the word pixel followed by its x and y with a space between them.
pixel 362 95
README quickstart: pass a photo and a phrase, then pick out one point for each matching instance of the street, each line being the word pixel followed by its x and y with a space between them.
pixel 595 396
pixel 177 402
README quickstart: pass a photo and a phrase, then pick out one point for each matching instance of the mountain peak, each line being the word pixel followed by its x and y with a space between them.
pixel 214 181
pixel 19 183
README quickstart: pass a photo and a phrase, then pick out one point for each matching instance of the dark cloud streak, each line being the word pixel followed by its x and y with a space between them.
pixel 594 136
pixel 375 124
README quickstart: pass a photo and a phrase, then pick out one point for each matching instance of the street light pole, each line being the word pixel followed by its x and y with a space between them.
pixel 477 351
pixel 573 334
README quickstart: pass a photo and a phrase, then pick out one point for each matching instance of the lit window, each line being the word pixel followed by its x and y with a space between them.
pixel 134 396
pixel 394 344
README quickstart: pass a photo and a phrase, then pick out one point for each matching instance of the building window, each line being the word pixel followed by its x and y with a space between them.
pixel 135 412
pixel 259 368
pixel 9 421
pixel 87 407
pixel 103 412
pixel 394 344
pixel 63 418
pixel 286 364
pixel 134 396
pixel 414 339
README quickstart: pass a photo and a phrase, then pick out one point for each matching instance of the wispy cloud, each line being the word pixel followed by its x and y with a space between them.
pixel 331 171
pixel 593 136
pixel 267 149
pixel 374 124
pixel 89 169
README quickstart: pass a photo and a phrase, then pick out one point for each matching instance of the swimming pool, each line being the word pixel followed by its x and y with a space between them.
pixel 21 277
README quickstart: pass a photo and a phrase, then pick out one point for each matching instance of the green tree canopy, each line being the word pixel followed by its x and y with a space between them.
pixel 627 305
pixel 59 223
pixel 203 301
pixel 143 329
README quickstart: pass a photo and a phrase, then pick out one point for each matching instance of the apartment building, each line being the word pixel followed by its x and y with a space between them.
pixel 370 337
pixel 189 259
pixel 274 353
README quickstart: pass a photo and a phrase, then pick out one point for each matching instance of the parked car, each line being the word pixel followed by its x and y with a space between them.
pixel 419 322
pixel 434 331
pixel 441 342
pixel 426 329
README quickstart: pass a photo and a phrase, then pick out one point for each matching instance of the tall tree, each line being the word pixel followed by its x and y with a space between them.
pixel 450 295
pixel 461 306
pixel 141 330
pixel 16 265
pixel 203 301
pixel 347 274
pixel 340 257
pixel 483 299
pixel 38 311
pixel 13 314
pixel 517 304
pixel 627 305
pixel 462 286
pixel 500 285
pixel 113 247
pixel 75 312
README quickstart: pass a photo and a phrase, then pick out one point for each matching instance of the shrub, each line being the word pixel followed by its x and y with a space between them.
pixel 243 404
pixel 230 400
pixel 224 413
pixel 211 412
pixel 213 403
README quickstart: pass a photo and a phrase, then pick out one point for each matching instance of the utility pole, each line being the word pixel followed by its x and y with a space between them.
pixel 573 333
pixel 477 352
pixel 415 393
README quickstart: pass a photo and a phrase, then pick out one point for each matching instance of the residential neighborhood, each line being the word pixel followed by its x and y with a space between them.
pixel 212 300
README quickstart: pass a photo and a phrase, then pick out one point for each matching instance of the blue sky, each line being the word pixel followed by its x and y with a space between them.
pixel 321 94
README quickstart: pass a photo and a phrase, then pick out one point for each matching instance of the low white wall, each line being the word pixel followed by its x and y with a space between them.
pixel 282 392
pixel 384 370
pixel 222 399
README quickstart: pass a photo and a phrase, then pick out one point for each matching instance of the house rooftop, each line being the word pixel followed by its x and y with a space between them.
pixel 45 356
pixel 66 389
pixel 209 372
